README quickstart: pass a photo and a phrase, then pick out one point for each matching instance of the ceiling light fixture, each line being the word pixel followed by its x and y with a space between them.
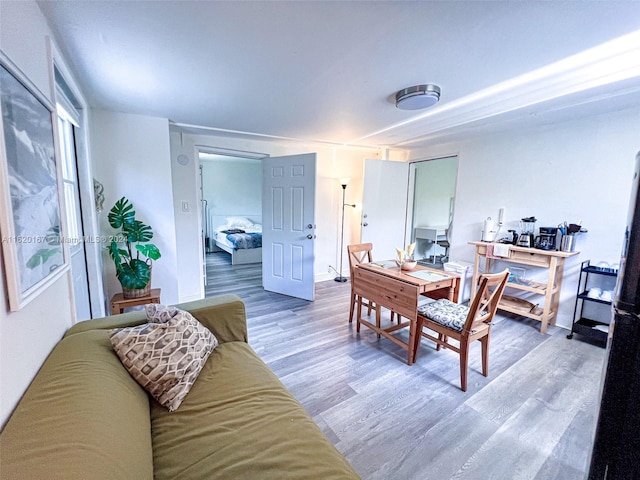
pixel 417 97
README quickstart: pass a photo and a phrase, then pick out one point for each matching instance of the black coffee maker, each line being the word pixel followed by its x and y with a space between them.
pixel 547 238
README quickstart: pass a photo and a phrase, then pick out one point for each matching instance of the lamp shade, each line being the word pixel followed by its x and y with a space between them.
pixel 417 97
pixel 344 181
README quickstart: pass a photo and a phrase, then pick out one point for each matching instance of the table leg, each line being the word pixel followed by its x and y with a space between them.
pixel 413 339
pixel 454 291
pixel 557 281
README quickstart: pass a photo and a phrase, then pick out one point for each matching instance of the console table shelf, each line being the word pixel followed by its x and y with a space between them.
pixel 533 287
pixel 552 260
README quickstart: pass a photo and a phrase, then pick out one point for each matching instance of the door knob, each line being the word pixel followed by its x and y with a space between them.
pixel 365 224
pixel 310 237
pixel 309 226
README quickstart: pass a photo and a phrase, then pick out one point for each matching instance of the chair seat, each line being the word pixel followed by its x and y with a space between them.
pixel 445 312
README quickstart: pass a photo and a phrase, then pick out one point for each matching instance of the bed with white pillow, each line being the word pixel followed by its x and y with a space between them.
pixel 240 236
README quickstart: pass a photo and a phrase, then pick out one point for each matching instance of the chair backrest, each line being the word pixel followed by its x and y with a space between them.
pixel 358 253
pixel 485 302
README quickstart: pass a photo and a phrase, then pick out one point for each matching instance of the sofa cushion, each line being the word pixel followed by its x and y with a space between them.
pixel 166 355
pixel 82 417
pixel 239 421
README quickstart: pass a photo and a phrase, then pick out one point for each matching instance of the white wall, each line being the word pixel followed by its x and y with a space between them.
pixel 579 170
pixel 27 336
pixel 233 187
pixel 332 164
pixel 131 158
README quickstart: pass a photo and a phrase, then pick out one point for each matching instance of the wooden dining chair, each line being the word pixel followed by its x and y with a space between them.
pixel 462 323
pixel 359 253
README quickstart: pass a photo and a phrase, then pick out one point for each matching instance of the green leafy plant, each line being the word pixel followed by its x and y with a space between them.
pixel 130 251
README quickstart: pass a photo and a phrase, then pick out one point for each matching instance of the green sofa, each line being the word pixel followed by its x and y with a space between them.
pixel 84 417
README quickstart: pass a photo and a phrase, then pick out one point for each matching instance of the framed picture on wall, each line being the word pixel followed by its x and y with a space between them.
pixel 30 220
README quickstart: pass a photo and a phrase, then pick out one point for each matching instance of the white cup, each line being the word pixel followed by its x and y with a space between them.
pixel 607 295
pixel 594 292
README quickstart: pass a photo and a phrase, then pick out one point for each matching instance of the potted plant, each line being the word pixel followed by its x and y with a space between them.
pixel 133 262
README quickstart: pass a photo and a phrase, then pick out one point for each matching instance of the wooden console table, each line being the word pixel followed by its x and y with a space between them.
pixel 535 257
pixel 119 303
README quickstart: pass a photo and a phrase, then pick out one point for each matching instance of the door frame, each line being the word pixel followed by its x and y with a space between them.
pixel 227 152
pixel 93 240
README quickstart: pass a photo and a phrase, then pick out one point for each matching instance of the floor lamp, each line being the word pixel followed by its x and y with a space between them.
pixel 343 182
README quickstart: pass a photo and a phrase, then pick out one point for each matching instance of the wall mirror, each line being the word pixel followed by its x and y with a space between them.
pixel 434 183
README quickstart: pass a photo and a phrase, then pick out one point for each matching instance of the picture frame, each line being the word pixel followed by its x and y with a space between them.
pixel 30 201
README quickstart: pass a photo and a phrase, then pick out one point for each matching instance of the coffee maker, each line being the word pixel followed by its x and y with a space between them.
pixel 547 238
pixel 527 230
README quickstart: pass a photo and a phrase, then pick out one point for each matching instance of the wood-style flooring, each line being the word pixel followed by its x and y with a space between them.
pixel 532 418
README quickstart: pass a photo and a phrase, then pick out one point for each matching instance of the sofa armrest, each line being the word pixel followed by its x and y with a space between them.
pixel 224 315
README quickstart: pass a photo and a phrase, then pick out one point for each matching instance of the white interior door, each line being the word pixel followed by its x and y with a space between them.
pixel 384 206
pixel 75 232
pixel 288 225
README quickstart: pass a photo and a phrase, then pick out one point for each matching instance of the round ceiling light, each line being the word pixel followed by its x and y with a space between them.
pixel 417 97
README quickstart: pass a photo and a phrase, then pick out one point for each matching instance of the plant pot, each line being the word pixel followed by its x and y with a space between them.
pixel 138 292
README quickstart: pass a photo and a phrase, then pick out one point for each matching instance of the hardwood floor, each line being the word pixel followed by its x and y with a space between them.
pixel 532 418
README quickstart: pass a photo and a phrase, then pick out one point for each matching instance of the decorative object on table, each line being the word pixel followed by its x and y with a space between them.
pixel 98 191
pixel 34 256
pixel 404 258
pixel 343 182
pixel 408 264
pixel 133 263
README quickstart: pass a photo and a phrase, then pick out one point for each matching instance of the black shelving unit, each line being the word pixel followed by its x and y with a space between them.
pixel 589 327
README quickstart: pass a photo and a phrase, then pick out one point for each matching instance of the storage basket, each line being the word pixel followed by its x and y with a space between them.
pixel 137 292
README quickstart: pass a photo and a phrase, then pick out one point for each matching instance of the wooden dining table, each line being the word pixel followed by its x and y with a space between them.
pixel 385 284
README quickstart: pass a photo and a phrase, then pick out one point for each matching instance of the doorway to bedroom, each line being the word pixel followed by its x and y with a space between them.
pixel 231 196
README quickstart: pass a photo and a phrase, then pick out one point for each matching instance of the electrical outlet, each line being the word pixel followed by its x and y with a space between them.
pixel 185 206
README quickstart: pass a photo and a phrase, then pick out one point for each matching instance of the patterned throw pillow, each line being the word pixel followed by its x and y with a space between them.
pixel 166 355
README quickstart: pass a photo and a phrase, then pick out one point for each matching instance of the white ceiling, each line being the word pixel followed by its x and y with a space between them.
pixel 327 71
